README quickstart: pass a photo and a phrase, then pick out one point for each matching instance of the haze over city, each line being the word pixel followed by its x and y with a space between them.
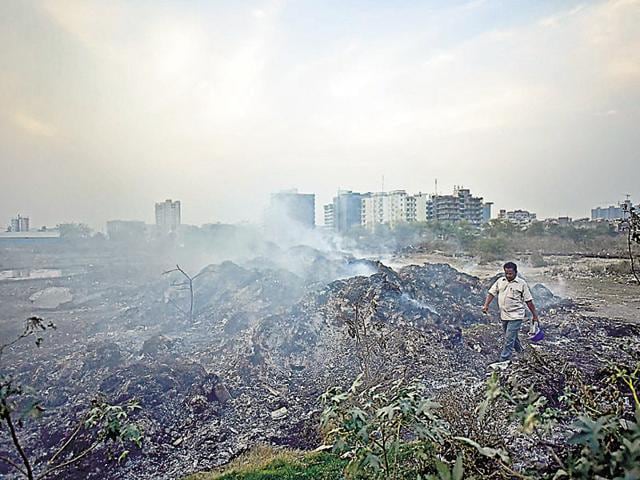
pixel 108 107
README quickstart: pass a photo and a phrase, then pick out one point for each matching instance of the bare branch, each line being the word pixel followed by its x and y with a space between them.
pixel 14 465
pixel 16 443
pixel 197 275
pixel 177 306
pixel 72 436
pixel 79 457
pixel 188 284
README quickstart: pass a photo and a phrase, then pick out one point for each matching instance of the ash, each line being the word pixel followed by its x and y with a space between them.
pixel 264 343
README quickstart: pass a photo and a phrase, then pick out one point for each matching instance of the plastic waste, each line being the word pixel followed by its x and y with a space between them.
pixel 536 334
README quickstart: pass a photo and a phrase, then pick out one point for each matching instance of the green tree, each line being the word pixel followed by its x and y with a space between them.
pixel 465 234
pixel 535 229
pixel 74 231
pixel 491 249
pixel 500 228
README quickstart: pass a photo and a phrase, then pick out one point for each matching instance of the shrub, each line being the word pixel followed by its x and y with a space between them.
pixel 490 249
pixel 618 268
pixel 369 427
pixel 394 432
pixel 537 260
pixel 609 444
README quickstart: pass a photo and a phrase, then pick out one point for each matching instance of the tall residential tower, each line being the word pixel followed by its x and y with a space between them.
pixel 168 215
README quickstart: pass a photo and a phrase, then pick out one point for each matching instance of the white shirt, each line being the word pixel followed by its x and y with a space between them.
pixel 512 297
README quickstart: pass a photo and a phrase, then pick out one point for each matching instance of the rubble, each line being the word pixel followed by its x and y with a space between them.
pixel 279 413
pixel 51 297
pixel 266 341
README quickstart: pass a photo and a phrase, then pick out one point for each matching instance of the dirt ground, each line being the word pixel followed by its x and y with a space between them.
pixel 612 296
pixel 107 273
pixel 117 302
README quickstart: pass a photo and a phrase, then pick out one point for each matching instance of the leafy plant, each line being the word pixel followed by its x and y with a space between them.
pixel 610 448
pixel 607 437
pixel 393 431
pixel 370 427
pixel 102 424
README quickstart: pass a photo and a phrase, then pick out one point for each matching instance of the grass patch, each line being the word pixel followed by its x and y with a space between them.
pixel 268 463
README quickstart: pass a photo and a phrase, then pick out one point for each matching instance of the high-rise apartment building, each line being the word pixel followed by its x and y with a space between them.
pixel 345 211
pixel 444 208
pixel 291 205
pixel 457 207
pixel 421 207
pixel 329 217
pixel 486 212
pixel 168 216
pixel 391 208
pixel 19 224
pixel 388 208
pixel 470 207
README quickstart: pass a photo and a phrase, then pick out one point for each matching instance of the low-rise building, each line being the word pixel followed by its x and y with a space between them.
pixel 518 217
pixel 31 236
pixel 126 230
pixel 611 212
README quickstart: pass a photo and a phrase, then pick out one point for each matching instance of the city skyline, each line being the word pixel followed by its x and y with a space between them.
pixel 168 212
pixel 109 108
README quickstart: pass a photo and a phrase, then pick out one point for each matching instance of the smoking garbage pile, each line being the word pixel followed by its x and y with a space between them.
pixel 266 339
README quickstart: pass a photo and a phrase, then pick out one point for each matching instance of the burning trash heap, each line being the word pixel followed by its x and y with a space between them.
pixel 267 339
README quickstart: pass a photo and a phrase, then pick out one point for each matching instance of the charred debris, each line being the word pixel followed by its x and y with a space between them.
pixel 266 339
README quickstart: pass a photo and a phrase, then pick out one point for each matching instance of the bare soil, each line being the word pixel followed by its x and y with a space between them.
pixel 612 296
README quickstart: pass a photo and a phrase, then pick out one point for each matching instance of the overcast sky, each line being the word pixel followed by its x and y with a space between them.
pixel 109 106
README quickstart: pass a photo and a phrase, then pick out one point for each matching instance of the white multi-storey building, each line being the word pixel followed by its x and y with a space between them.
pixel 392 208
pixel 612 212
pixel 421 208
pixel 518 217
pixel 388 208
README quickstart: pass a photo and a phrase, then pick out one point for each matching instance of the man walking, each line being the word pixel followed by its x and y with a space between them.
pixel 513 294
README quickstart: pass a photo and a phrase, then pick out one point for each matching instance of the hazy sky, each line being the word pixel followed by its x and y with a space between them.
pixel 109 106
